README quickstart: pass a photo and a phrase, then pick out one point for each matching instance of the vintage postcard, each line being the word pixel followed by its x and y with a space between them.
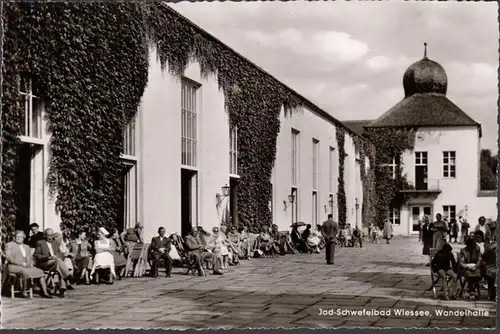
pixel 249 164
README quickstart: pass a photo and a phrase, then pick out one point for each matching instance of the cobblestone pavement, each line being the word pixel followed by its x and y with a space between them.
pixel 283 292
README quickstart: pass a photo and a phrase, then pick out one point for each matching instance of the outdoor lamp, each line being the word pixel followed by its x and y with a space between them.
pixel 330 202
pixel 225 193
pixel 225 190
pixel 357 204
pixel 291 198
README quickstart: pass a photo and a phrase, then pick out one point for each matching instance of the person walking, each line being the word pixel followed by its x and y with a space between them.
pixel 387 230
pixel 440 230
pixel 329 231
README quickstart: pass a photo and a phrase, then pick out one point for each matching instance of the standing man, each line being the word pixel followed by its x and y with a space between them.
pixel 160 248
pixel 329 232
pixel 485 228
pixel 464 225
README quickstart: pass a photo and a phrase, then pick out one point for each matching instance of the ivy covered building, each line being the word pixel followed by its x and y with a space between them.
pixel 121 113
pixel 433 157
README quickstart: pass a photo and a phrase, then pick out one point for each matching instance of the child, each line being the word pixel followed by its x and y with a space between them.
pixel 444 263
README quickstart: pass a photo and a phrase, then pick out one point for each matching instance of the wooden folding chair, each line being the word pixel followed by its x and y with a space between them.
pixel 136 260
pixel 186 260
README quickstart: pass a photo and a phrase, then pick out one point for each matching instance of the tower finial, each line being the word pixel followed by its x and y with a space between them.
pixel 425 49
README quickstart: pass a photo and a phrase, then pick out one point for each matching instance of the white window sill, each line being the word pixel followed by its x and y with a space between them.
pixel 234 176
pixel 128 157
pixel 32 140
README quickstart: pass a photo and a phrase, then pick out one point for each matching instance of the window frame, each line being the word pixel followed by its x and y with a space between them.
pixel 447 212
pixel 295 151
pixel 394 216
pixel 233 152
pixel 315 163
pixel 449 164
pixel 189 123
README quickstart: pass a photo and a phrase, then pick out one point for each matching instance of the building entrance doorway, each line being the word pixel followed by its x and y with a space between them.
pixel 24 186
pixel 233 200
pixel 417 213
pixel 188 200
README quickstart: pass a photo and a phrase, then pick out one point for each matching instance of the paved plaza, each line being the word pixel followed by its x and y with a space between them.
pixel 285 292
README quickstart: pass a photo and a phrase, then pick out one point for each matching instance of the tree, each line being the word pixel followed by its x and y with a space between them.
pixel 488 170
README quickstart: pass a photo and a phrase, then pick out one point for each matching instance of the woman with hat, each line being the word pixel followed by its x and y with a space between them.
pixel 103 258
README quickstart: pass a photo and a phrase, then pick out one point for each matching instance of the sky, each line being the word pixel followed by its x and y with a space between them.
pixel 349 58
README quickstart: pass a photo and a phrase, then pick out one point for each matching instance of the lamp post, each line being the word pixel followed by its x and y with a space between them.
pixel 291 199
pixel 330 203
pixel 225 193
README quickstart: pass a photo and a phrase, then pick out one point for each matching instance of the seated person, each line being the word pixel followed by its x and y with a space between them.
pixel 244 244
pixel 265 241
pixel 159 249
pixel 348 235
pixel 131 236
pixel 322 242
pixel 103 258
pixel 48 258
pixel 20 262
pixel 444 263
pixel 217 245
pixel 233 251
pixel 118 251
pixel 35 236
pixel 479 237
pixel 489 258
pixel 356 237
pixel 342 238
pixel 312 239
pixel 279 240
pixel 234 237
pixel 65 254
pixel 80 248
pixel 199 254
pixel 297 240
pixel 470 261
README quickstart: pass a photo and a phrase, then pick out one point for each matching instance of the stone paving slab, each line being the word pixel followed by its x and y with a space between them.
pixel 284 292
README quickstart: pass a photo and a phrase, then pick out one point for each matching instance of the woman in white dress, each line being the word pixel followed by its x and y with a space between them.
pixel 313 240
pixel 103 258
pixel 217 245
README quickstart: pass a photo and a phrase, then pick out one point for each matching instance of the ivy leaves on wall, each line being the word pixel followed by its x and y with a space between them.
pixel 91 63
pixel 341 197
pixel 390 143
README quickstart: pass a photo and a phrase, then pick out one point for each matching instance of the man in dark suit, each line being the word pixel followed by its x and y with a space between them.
pixel 330 231
pixel 199 254
pixel 48 257
pixel 34 236
pixel 160 248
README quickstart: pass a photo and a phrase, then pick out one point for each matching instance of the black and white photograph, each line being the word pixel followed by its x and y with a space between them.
pixel 249 165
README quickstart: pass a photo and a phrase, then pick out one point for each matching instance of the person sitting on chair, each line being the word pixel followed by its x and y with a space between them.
pixel 160 248
pixel 490 268
pixel 444 263
pixel 470 261
pixel 199 254
pixel 20 262
pixel 48 258
pixel 297 240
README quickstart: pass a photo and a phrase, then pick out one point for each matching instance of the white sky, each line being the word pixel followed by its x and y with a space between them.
pixel 349 57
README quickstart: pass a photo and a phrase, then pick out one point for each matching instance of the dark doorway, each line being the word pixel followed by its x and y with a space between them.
pixel 120 217
pixel 187 177
pixel 421 177
pixel 22 187
pixel 233 200
pixel 295 205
